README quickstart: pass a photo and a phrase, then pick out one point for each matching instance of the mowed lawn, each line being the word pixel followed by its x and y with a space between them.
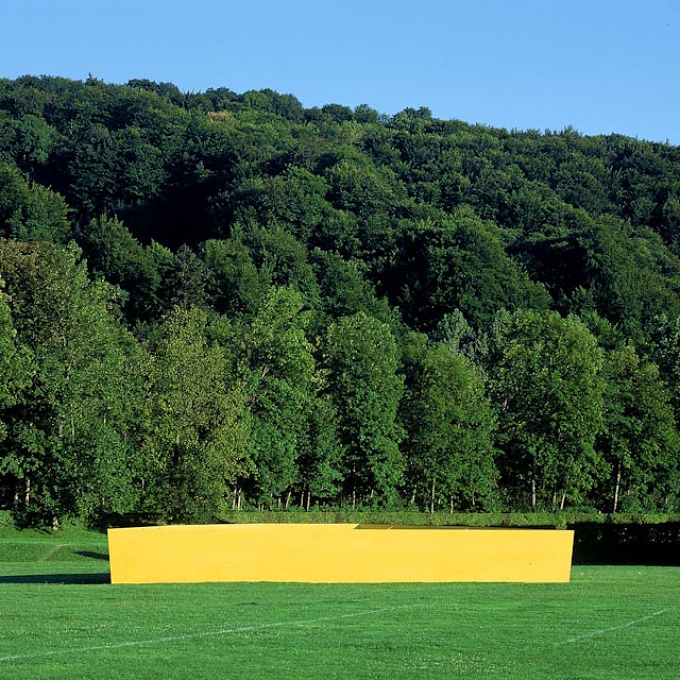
pixel 60 618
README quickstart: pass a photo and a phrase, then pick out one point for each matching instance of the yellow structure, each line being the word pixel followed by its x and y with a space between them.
pixel 337 553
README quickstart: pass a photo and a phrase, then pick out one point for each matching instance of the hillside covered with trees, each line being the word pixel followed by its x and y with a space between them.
pixel 218 301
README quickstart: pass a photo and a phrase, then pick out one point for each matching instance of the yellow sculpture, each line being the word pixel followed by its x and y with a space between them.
pixel 337 553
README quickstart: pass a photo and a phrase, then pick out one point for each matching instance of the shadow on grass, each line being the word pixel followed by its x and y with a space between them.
pixel 93 555
pixel 65 579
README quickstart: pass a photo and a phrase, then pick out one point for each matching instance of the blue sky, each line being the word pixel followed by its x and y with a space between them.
pixel 600 66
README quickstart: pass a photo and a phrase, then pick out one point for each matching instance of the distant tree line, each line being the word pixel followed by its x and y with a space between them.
pixel 220 301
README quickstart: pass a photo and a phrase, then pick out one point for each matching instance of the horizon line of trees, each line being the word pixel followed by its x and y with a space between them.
pixel 219 301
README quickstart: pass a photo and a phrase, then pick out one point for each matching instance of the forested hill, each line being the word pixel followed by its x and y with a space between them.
pixel 218 300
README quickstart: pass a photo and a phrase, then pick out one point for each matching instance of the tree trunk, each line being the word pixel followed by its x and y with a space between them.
pixel 617 487
pixel 533 495
pixel 27 492
pixel 432 491
pixel 563 500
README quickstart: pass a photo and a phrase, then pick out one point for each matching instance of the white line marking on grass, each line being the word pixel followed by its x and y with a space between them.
pixel 603 631
pixel 195 636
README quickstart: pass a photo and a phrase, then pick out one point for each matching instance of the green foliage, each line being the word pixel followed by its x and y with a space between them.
pixel 556 520
pixel 30 212
pixel 360 355
pixel 310 251
pixel 112 251
pixel 234 284
pixel 34 141
pixel 69 446
pixel 550 398
pixel 279 374
pixel 196 439
pixel 451 428
pixel 15 363
pixel 639 436
pixel 6 519
pixel 633 275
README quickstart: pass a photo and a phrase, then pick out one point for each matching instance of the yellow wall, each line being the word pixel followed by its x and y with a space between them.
pixel 337 553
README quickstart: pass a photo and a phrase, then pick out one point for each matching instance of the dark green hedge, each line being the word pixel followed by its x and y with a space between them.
pixel 559 520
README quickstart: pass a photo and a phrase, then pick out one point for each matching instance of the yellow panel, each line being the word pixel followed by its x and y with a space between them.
pixel 337 553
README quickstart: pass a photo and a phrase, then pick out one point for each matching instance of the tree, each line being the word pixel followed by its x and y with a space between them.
pixel 15 375
pixel 279 373
pixel 140 166
pixel 234 284
pixel 344 289
pixel 70 435
pixel 320 455
pixel 639 438
pixel 34 140
pixel 29 211
pixel 112 251
pixel 184 281
pixel 456 333
pixel 665 351
pixel 361 357
pixel 15 361
pixel 451 424
pixel 295 199
pixel 548 389
pixel 196 442
pixel 88 169
pixel 280 258
pixel 634 278
pixel 458 262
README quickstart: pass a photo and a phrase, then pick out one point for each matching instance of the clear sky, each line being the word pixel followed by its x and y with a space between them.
pixel 600 66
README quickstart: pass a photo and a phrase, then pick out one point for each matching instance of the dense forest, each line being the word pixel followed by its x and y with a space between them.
pixel 218 301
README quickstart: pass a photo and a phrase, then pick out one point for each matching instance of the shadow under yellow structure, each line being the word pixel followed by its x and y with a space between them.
pixel 337 553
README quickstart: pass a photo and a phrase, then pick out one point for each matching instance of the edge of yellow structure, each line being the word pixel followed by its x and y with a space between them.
pixel 337 553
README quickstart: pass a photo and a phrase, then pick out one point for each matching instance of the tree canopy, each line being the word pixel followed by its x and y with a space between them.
pixel 217 300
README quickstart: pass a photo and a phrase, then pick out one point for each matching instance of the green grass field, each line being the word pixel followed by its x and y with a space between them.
pixel 60 618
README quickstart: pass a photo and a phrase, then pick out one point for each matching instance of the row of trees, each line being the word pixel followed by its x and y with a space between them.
pixel 198 414
pixel 217 301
